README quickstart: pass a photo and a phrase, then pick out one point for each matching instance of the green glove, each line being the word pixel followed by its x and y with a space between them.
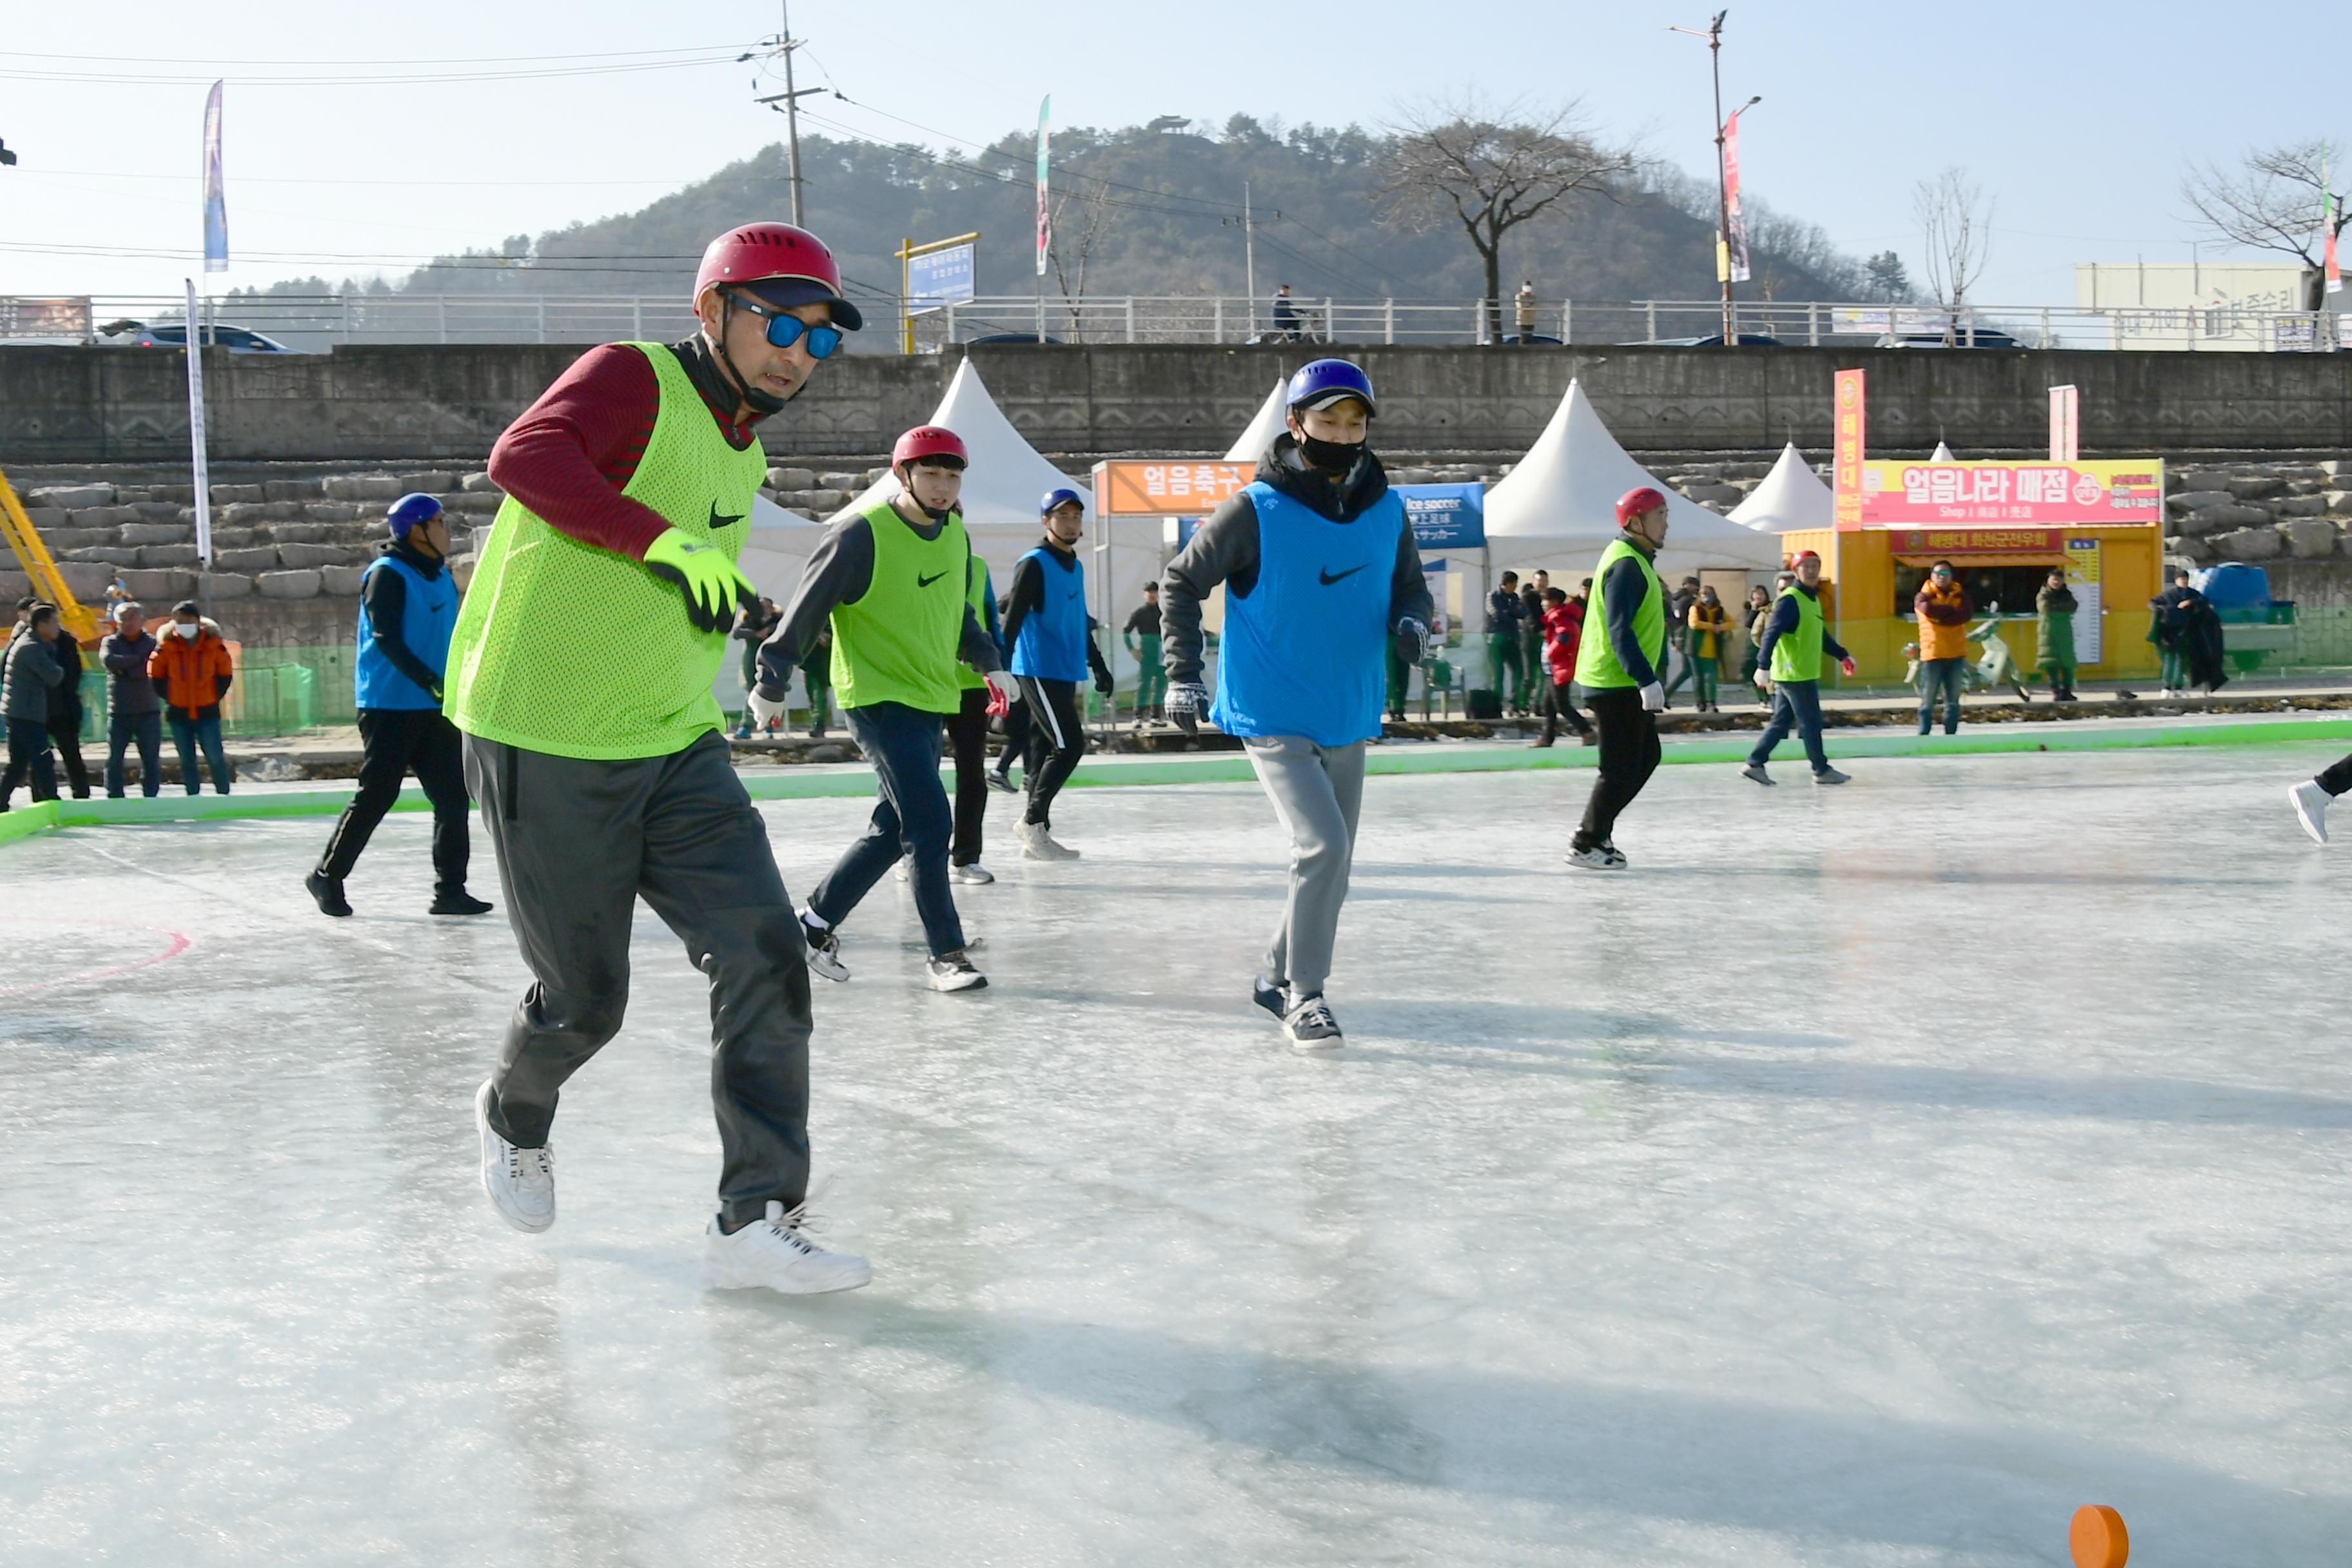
pixel 710 582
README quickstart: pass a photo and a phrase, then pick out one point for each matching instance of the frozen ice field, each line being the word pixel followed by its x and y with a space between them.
pixel 1870 1177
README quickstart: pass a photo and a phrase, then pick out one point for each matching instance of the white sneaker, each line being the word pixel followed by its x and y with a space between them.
pixel 1037 844
pixel 953 973
pixel 773 1254
pixel 520 1182
pixel 1310 1026
pixel 823 949
pixel 2311 808
pixel 1600 857
pixel 906 867
pixel 976 874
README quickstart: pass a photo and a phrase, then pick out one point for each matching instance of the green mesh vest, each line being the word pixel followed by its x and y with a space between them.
pixel 1596 661
pixel 1797 656
pixel 574 650
pixel 899 642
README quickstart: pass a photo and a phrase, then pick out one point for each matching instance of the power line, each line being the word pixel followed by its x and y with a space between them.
pixel 411 79
pixel 459 60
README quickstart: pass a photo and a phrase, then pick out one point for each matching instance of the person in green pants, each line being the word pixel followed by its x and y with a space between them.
pixel 1141 635
pixel 1502 639
pixel 1533 675
pixel 817 676
pixel 2056 605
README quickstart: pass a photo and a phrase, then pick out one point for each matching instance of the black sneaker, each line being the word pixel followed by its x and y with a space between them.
pixel 1268 995
pixel 1001 783
pixel 1310 1026
pixel 329 892
pixel 459 902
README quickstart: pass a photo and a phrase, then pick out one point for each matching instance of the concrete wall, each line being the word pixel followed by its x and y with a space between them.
pixel 448 404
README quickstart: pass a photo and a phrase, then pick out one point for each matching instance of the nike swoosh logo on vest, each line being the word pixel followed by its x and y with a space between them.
pixel 718 522
pixel 1326 579
pixel 923 582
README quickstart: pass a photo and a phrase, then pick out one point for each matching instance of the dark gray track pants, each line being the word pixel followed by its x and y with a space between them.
pixel 578 843
pixel 1317 791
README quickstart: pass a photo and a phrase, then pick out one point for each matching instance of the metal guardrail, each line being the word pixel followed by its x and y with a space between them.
pixel 314 323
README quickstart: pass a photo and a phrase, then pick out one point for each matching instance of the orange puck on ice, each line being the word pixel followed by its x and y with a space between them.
pixel 2098 1537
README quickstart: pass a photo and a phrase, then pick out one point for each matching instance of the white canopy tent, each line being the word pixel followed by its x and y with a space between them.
pixel 1942 454
pixel 1268 423
pixel 1557 508
pixel 1791 496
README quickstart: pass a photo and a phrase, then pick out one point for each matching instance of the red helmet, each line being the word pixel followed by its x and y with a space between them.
pixel 1637 501
pixel 928 441
pixel 792 263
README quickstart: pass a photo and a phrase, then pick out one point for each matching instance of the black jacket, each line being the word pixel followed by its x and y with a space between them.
pixel 1224 550
pixel 65 697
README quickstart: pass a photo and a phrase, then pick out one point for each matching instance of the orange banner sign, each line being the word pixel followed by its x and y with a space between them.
pixel 1128 487
pixel 1847 406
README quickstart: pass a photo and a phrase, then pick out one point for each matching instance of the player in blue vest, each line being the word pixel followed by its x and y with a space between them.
pixel 1053 642
pixel 1321 578
pixel 408 607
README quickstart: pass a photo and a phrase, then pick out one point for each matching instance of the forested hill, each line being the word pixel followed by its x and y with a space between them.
pixel 1164 208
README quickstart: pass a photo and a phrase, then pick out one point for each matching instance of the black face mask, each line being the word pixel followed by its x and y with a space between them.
pixel 1332 458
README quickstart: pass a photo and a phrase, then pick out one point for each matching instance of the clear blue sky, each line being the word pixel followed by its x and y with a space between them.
pixel 2078 118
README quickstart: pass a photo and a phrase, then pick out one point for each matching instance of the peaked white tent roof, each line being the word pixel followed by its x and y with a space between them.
pixel 1791 496
pixel 1007 474
pixel 1942 454
pixel 1268 424
pixel 1560 503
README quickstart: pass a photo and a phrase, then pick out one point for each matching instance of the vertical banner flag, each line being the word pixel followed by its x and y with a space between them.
pixel 1847 450
pixel 197 436
pixel 215 199
pixel 2330 202
pixel 2066 425
pixel 1735 236
pixel 1045 218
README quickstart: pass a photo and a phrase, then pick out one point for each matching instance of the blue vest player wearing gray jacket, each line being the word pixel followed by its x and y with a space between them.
pixel 408 608
pixel 1321 577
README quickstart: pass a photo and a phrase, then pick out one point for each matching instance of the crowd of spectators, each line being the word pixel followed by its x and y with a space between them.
pixel 183 678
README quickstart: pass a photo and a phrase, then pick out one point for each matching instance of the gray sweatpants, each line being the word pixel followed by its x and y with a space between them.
pixel 578 843
pixel 1316 791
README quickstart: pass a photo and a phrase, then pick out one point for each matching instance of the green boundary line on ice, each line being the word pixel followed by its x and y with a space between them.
pixel 819 782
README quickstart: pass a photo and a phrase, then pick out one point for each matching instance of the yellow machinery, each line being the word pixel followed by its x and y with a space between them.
pixel 42 568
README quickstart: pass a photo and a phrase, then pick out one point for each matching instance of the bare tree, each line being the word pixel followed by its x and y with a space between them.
pixel 1093 207
pixel 1490 170
pixel 2276 199
pixel 1956 229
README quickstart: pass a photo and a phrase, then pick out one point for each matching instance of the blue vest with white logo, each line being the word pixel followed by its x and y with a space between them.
pixel 1302 653
pixel 1053 641
pixel 427 619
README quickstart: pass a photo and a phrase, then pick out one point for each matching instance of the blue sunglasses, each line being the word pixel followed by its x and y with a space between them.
pixel 785 329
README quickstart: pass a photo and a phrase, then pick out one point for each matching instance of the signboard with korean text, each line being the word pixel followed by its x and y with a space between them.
pixel 1131 487
pixel 1445 517
pixel 939 277
pixel 1846 451
pixel 2083 577
pixel 1923 494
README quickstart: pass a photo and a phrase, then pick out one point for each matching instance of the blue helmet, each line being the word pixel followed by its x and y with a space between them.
pixel 1061 495
pixel 409 511
pixel 1324 382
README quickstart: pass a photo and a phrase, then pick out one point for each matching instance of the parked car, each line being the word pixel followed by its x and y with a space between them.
pixel 1985 338
pixel 174 335
pixel 1533 339
pixel 1715 341
pixel 1012 338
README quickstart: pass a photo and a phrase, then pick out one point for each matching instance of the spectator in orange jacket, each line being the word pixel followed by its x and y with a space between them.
pixel 1943 608
pixel 190 668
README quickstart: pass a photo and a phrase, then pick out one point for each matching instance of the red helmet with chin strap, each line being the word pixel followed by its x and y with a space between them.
pixel 1637 501
pixel 928 441
pixel 777 254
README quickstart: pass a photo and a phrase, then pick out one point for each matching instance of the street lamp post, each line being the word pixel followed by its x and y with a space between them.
pixel 1714 36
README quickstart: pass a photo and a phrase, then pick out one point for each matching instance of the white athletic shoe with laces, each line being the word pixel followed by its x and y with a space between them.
pixel 1310 1026
pixel 1037 844
pixel 1600 857
pixel 775 1254
pixel 520 1182
pixel 2311 808
pixel 956 972
pixel 823 949
pixel 975 874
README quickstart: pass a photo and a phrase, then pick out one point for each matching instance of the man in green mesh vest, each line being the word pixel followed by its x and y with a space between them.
pixel 894 583
pixel 599 759
pixel 1618 661
pixel 1789 657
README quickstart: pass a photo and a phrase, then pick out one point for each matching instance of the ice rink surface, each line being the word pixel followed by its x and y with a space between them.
pixel 1869 1177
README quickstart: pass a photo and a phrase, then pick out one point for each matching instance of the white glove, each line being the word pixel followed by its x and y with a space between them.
pixel 1184 702
pixel 1654 698
pixel 1006 684
pixel 763 711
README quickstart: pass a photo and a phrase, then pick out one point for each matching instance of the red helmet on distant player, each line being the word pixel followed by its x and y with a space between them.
pixel 1637 501
pixel 782 265
pixel 928 441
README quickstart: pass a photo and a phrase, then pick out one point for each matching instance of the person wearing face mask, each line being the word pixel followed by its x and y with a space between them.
pixel 408 605
pixel 1710 633
pixel 1321 574
pixel 894 583
pixel 1619 664
pixel 192 669
pixel 1053 642
pixel 603 772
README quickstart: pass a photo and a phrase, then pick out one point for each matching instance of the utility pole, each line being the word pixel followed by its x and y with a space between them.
pixel 1714 36
pixel 782 46
pixel 1247 224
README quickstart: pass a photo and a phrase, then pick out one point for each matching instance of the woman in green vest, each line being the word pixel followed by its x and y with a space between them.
pixel 894 583
pixel 1617 663
pixel 2055 607
pixel 1794 640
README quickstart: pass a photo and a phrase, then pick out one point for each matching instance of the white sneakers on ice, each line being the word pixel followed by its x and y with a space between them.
pixel 823 949
pixel 976 874
pixel 1310 1026
pixel 953 973
pixel 773 1254
pixel 1600 857
pixel 520 1182
pixel 2311 808
pixel 1037 844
